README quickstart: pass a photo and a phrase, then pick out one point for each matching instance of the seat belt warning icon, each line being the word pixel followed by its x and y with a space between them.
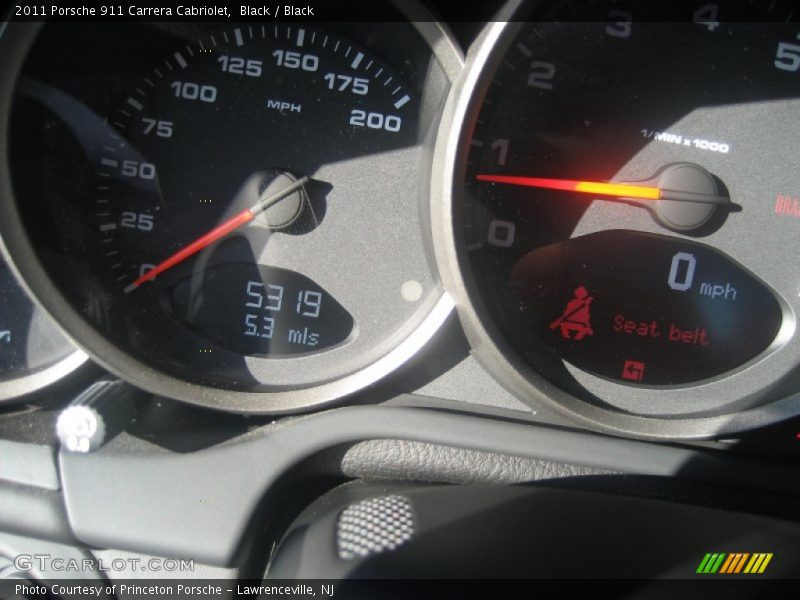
pixel 575 319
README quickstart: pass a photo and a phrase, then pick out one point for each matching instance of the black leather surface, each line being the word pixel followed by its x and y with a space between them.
pixel 416 461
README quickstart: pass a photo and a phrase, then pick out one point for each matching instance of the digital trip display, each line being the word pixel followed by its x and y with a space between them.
pixel 259 310
pixel 644 309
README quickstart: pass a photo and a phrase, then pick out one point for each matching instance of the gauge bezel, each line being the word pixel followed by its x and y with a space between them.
pixel 24 261
pixel 14 389
pixel 733 409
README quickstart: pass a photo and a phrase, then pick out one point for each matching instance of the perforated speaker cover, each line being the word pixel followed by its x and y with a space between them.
pixel 375 525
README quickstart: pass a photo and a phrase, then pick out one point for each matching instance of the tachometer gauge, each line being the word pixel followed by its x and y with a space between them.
pixel 620 209
pixel 33 352
pixel 239 216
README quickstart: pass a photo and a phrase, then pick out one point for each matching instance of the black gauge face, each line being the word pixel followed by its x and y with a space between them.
pixel 243 211
pixel 626 204
pixel 29 341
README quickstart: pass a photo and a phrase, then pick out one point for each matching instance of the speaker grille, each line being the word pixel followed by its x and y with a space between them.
pixel 374 525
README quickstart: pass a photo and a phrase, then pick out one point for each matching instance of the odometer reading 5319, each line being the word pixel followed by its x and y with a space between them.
pixel 259 310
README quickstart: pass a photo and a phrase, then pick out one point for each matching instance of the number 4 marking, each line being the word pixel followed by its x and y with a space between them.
pixel 708 16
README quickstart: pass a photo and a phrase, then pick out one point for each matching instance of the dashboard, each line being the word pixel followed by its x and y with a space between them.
pixel 367 291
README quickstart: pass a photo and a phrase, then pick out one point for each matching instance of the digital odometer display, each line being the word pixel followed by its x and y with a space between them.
pixel 643 308
pixel 262 310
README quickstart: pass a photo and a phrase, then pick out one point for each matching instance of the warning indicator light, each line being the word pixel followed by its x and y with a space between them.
pixel 633 370
pixel 575 321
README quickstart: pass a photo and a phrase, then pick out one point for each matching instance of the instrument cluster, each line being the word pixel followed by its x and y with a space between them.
pixel 269 216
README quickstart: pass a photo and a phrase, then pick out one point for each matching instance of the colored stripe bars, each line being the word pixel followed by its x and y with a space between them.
pixel 734 563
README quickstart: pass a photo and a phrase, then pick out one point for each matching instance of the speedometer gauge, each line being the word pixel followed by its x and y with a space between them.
pixel 619 193
pixel 241 210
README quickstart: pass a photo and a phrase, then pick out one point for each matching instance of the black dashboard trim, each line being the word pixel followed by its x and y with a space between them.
pixel 152 501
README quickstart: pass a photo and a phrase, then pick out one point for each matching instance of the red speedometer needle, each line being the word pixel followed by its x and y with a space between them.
pixel 217 233
pixel 613 190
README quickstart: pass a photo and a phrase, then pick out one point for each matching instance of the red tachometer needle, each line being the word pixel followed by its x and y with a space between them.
pixel 217 233
pixel 618 190
pixel 613 190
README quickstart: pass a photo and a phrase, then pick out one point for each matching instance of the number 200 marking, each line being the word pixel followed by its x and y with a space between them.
pixel 374 120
